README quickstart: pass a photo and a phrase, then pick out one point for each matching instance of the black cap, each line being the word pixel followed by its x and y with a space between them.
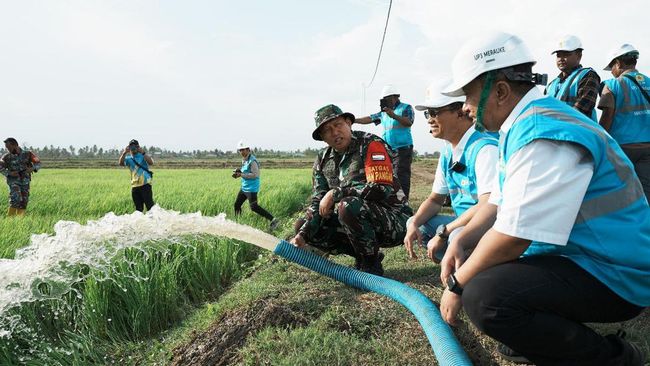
pixel 11 140
pixel 134 142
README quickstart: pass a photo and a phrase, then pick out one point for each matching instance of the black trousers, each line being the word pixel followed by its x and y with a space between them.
pixel 402 165
pixel 142 196
pixel 252 201
pixel 537 306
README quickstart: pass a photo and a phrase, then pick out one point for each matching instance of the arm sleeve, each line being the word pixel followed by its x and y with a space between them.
pixel 588 90
pixel 376 118
pixel 544 187
pixel 408 113
pixel 607 99
pixel 378 167
pixel 439 182
pixel 486 168
pixel 255 171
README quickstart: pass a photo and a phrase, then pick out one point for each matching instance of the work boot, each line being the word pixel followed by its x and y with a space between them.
pixel 511 355
pixel 372 264
pixel 20 212
pixel 630 354
pixel 12 212
pixel 357 260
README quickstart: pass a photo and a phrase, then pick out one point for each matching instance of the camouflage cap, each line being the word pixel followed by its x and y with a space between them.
pixel 326 114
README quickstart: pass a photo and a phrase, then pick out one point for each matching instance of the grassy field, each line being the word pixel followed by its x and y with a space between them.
pixel 146 289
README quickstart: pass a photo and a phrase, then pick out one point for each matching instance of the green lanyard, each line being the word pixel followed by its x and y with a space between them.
pixel 487 87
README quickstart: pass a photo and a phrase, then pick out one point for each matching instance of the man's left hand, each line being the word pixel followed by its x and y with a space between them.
pixel 450 305
pixel 389 111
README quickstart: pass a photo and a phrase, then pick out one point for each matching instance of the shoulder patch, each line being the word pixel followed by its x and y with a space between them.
pixel 378 166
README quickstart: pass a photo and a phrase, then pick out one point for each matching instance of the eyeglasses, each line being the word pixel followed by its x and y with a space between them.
pixel 435 112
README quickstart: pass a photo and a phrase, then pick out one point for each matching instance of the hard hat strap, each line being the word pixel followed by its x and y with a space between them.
pixel 485 93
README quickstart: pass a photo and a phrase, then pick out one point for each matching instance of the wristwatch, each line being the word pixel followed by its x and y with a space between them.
pixel 440 231
pixel 453 286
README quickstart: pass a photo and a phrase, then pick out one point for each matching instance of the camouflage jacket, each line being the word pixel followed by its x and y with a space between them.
pixel 363 170
pixel 19 163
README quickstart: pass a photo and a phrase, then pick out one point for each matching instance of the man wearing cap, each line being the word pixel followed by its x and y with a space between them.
pixel 17 165
pixel 250 184
pixel 576 86
pixel 565 236
pixel 625 102
pixel 396 118
pixel 138 162
pixel 357 205
pixel 466 170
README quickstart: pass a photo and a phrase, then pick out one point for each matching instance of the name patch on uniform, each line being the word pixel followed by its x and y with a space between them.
pixel 378 166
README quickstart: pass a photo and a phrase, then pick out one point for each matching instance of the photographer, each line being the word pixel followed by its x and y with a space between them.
pixel 250 184
pixel 138 162
pixel 396 118
pixel 18 165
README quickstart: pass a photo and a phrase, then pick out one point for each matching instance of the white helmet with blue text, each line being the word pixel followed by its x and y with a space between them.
pixel 242 145
pixel 491 51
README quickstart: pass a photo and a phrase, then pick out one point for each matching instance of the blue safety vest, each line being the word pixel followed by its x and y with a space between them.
pixel 396 134
pixel 611 235
pixel 631 122
pixel 250 185
pixel 567 91
pixel 462 185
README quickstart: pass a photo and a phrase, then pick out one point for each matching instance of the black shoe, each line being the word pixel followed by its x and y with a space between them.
pixel 511 355
pixel 357 260
pixel 371 264
pixel 631 354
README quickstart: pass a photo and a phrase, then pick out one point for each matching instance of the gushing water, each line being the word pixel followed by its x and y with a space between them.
pixel 48 258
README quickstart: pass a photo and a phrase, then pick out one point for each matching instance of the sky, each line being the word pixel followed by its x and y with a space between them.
pixel 200 74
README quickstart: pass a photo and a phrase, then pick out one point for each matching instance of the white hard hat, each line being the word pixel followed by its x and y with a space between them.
pixel 491 51
pixel 242 145
pixel 620 51
pixel 435 99
pixel 387 90
pixel 568 43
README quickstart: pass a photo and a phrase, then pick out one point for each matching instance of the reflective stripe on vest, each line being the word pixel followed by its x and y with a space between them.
pixel 611 235
pixel 462 185
pixel 631 123
pixel 567 91
pixel 396 134
pixel 250 185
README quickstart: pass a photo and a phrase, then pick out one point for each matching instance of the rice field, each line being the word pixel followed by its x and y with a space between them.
pixel 145 289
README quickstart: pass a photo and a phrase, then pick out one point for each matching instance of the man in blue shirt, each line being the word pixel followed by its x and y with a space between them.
pixel 396 118
pixel 134 158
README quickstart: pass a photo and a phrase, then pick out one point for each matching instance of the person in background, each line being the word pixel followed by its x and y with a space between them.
pixel 357 205
pixel 576 86
pixel 564 239
pixel 17 165
pixel 138 162
pixel 625 102
pixel 396 118
pixel 466 171
pixel 250 185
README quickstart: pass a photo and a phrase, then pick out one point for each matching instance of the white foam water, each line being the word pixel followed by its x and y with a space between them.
pixel 48 257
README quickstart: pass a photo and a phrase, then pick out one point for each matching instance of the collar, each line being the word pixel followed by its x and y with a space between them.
pixel 533 94
pixel 457 151
pixel 628 71
pixel 569 74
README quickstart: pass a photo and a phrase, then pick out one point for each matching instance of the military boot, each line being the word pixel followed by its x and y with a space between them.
pixel 372 264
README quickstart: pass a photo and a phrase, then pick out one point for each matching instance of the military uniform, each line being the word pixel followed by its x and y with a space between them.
pixel 371 209
pixel 19 185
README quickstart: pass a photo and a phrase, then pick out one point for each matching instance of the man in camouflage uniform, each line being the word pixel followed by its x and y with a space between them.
pixel 18 165
pixel 357 203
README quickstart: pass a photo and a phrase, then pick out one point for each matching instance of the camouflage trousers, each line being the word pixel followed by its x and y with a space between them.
pixel 358 227
pixel 18 192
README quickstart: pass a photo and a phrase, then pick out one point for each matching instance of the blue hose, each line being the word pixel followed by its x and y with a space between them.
pixel 445 345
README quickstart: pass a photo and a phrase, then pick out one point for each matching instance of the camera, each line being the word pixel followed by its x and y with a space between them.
pixel 383 103
pixel 235 172
pixel 133 148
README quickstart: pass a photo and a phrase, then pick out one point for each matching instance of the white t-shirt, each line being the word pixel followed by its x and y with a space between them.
pixel 546 181
pixel 485 167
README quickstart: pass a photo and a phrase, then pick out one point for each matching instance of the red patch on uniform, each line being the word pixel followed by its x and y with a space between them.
pixel 378 166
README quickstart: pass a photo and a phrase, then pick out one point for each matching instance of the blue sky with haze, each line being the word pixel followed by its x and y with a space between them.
pixel 203 74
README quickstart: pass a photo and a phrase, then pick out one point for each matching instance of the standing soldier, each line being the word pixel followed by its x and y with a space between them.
pixel 134 158
pixel 576 86
pixel 396 118
pixel 357 204
pixel 625 102
pixel 250 184
pixel 18 165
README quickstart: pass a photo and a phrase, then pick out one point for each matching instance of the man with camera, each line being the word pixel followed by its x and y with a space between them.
pixel 357 205
pixel 396 118
pixel 250 184
pixel 138 162
pixel 466 171
pixel 18 165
